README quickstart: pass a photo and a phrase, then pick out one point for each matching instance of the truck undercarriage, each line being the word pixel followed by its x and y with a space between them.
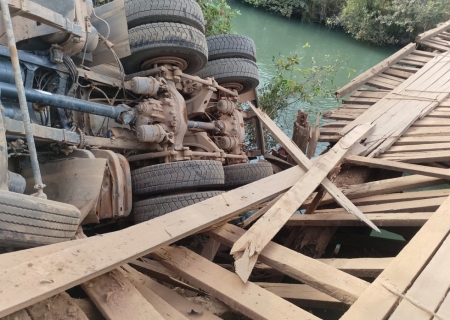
pixel 122 110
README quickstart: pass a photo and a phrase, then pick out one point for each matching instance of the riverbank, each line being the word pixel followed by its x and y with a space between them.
pixel 380 22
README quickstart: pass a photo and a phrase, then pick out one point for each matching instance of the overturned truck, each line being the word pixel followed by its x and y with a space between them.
pixel 114 111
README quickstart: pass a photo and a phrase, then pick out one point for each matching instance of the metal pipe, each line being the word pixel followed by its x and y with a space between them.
pixel 145 73
pixel 58 101
pixel 3 154
pixel 153 155
pixel 202 125
pixel 22 99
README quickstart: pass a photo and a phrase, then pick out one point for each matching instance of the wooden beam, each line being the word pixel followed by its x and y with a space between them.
pixel 28 283
pixel 210 249
pixel 377 301
pixel 360 267
pixel 416 219
pixel 369 74
pixel 318 275
pixel 383 187
pixel 250 245
pixel 118 299
pixel 307 164
pixel 252 301
pixel 187 308
pixel 398 166
pixel 303 295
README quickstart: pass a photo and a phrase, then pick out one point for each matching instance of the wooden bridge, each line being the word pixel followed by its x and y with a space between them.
pixel 395 121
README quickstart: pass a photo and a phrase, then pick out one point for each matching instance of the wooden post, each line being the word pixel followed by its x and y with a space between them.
pixel 300 135
pixel 3 154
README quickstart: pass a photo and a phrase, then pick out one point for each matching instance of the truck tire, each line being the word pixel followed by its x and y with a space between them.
pixel 177 176
pixel 231 46
pixel 238 175
pixel 166 39
pixel 27 221
pixel 152 208
pixel 233 70
pixel 187 12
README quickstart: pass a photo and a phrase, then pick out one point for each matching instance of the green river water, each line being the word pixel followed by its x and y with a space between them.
pixel 275 34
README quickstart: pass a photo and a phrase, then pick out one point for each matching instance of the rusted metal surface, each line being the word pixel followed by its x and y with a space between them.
pixel 76 181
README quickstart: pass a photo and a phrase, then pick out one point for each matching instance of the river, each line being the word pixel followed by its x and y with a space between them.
pixel 274 35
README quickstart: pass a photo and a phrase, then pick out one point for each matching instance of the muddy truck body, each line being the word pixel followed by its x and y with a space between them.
pixel 123 111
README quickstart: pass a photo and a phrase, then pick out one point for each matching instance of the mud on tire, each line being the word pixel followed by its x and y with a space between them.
pixel 155 207
pixel 177 176
pixel 27 221
pixel 166 39
pixel 233 70
pixel 231 46
pixel 187 12
pixel 241 174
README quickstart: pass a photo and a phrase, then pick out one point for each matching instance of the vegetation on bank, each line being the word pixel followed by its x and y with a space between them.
pixel 377 21
pixel 218 15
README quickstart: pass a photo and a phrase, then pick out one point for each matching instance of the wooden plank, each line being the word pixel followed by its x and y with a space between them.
pixel 421 205
pixel 22 284
pixel 162 307
pixel 405 68
pixel 396 166
pixel 250 245
pixel 61 306
pixel 385 64
pixel 306 164
pixel 113 294
pixel 188 309
pixel 398 73
pixel 384 187
pixel 429 289
pixel 444 309
pixel 416 219
pixel 375 82
pixel 421 140
pixel 418 58
pixel 303 295
pixel 359 267
pixel 260 212
pixel 361 101
pixel 433 32
pixel 252 301
pixel 419 157
pixel 210 249
pixel 318 275
pixel 377 94
pixel 404 196
pixel 435 46
pixel 419 147
pixel 377 301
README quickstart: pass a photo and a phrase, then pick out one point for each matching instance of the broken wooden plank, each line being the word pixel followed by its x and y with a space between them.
pixel 384 187
pixel 418 157
pixel 250 245
pixel 415 219
pixel 118 299
pixel 318 275
pixel 61 306
pixel 188 309
pixel 22 284
pixel 306 164
pixel 252 301
pixel 162 307
pixel 377 302
pixel 397 166
pixel 428 289
pixel 385 64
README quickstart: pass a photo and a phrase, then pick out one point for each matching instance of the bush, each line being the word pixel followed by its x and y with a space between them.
pixel 218 15
pixel 310 10
pixel 391 21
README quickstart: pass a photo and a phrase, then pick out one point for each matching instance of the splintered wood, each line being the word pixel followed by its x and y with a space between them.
pixel 250 245
pixel 396 125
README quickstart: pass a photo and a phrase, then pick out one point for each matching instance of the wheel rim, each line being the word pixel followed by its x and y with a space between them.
pixel 175 61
